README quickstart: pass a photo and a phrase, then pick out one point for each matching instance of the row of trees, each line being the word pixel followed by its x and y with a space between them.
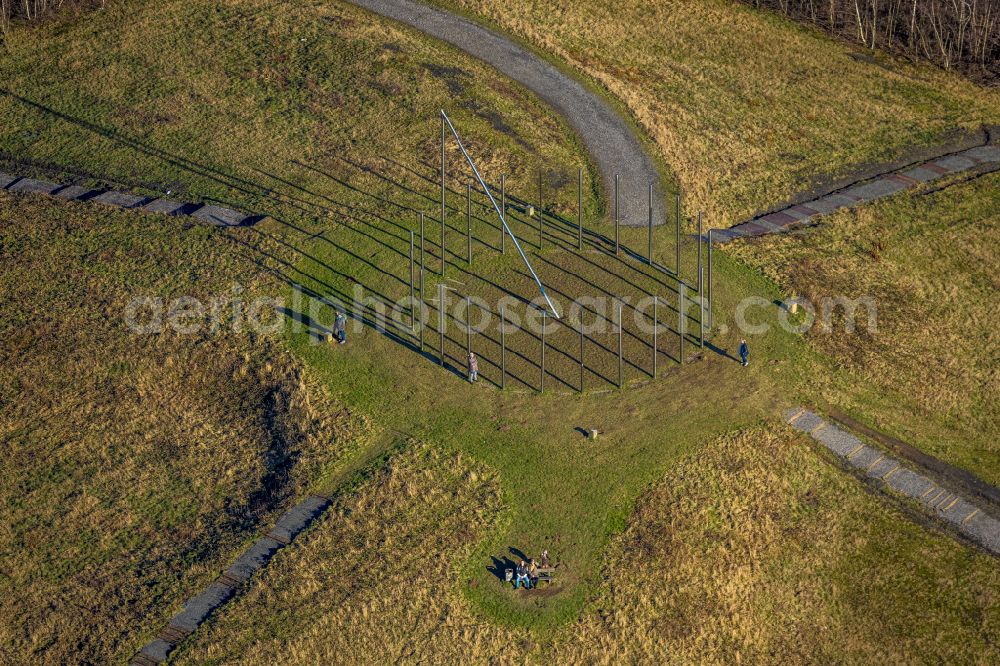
pixel 32 10
pixel 955 34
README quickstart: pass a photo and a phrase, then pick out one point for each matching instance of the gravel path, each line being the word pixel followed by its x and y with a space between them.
pixel 609 140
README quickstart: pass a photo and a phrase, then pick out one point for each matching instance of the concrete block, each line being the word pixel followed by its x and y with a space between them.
pixel 989 153
pixel 807 421
pixel 839 441
pixel 34 186
pixel 120 199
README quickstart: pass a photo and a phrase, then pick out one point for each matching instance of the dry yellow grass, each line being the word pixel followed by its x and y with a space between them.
pixel 747 107
pixel 928 262
pixel 754 550
pixel 134 466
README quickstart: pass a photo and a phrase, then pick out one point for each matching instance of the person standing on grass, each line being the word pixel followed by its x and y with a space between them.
pixel 473 368
pixel 545 559
pixel 522 575
pixel 340 327
pixel 744 353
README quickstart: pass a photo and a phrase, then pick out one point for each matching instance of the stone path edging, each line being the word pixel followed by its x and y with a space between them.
pixel 210 213
pixel 888 470
pixel 985 156
pixel 200 607
pixel 610 141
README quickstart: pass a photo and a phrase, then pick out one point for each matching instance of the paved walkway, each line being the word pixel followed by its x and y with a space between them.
pixel 958 511
pixel 200 607
pixel 217 215
pixel 608 138
pixel 799 215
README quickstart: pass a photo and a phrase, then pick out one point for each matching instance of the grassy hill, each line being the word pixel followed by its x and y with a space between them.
pixel 135 466
pixel 324 118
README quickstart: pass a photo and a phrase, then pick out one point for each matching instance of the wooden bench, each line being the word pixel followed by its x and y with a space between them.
pixel 544 574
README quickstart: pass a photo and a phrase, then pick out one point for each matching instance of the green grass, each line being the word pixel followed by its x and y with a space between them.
pixel 336 137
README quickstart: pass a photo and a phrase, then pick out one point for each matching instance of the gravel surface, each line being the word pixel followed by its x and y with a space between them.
pixel 608 138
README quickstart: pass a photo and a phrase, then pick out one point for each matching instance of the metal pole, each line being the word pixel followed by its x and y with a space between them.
pixel 680 322
pixel 710 279
pixel 441 320
pixel 656 301
pixel 468 223
pixel 619 346
pixel 701 314
pixel 581 353
pixel 677 242
pixel 541 379
pixel 412 316
pixel 617 215
pixel 579 209
pixel 539 209
pixel 421 257
pixel 503 349
pixel 443 219
pixel 503 207
pixel 649 239
pixel 699 255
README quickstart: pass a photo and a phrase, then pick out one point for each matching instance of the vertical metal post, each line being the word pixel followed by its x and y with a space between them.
pixel 412 315
pixel 539 208
pixel 421 256
pixel 441 320
pixel 503 348
pixel 701 314
pixel 699 255
pixel 649 235
pixel 677 241
pixel 617 216
pixel 541 379
pixel 503 207
pixel 681 321
pixel 579 210
pixel 468 223
pixel 619 346
pixel 582 368
pixel 443 218
pixel 710 279
pixel 656 301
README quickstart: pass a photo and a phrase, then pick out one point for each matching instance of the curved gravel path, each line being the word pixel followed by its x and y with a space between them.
pixel 608 138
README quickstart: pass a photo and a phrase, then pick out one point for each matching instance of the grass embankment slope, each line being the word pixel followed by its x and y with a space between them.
pixel 356 89
pixel 751 550
pixel 928 372
pixel 746 106
pixel 134 466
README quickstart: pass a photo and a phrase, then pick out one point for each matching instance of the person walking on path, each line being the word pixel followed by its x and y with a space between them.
pixel 473 368
pixel 340 328
pixel 744 353
pixel 522 575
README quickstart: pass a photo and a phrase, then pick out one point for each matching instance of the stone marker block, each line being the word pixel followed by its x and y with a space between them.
pixel 882 467
pixel 922 174
pixel 863 458
pixel 955 163
pixel 909 483
pixel 837 440
pixel 217 215
pixel 157 650
pixel 6 180
pixel 197 609
pixel 957 512
pixel 989 153
pixel 32 185
pixel 876 189
pixel 168 207
pixel 807 421
pixel 120 199
pixel 71 192
pixel 255 558
pixel 985 530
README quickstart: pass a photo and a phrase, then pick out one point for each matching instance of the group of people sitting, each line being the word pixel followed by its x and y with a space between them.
pixel 527 572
